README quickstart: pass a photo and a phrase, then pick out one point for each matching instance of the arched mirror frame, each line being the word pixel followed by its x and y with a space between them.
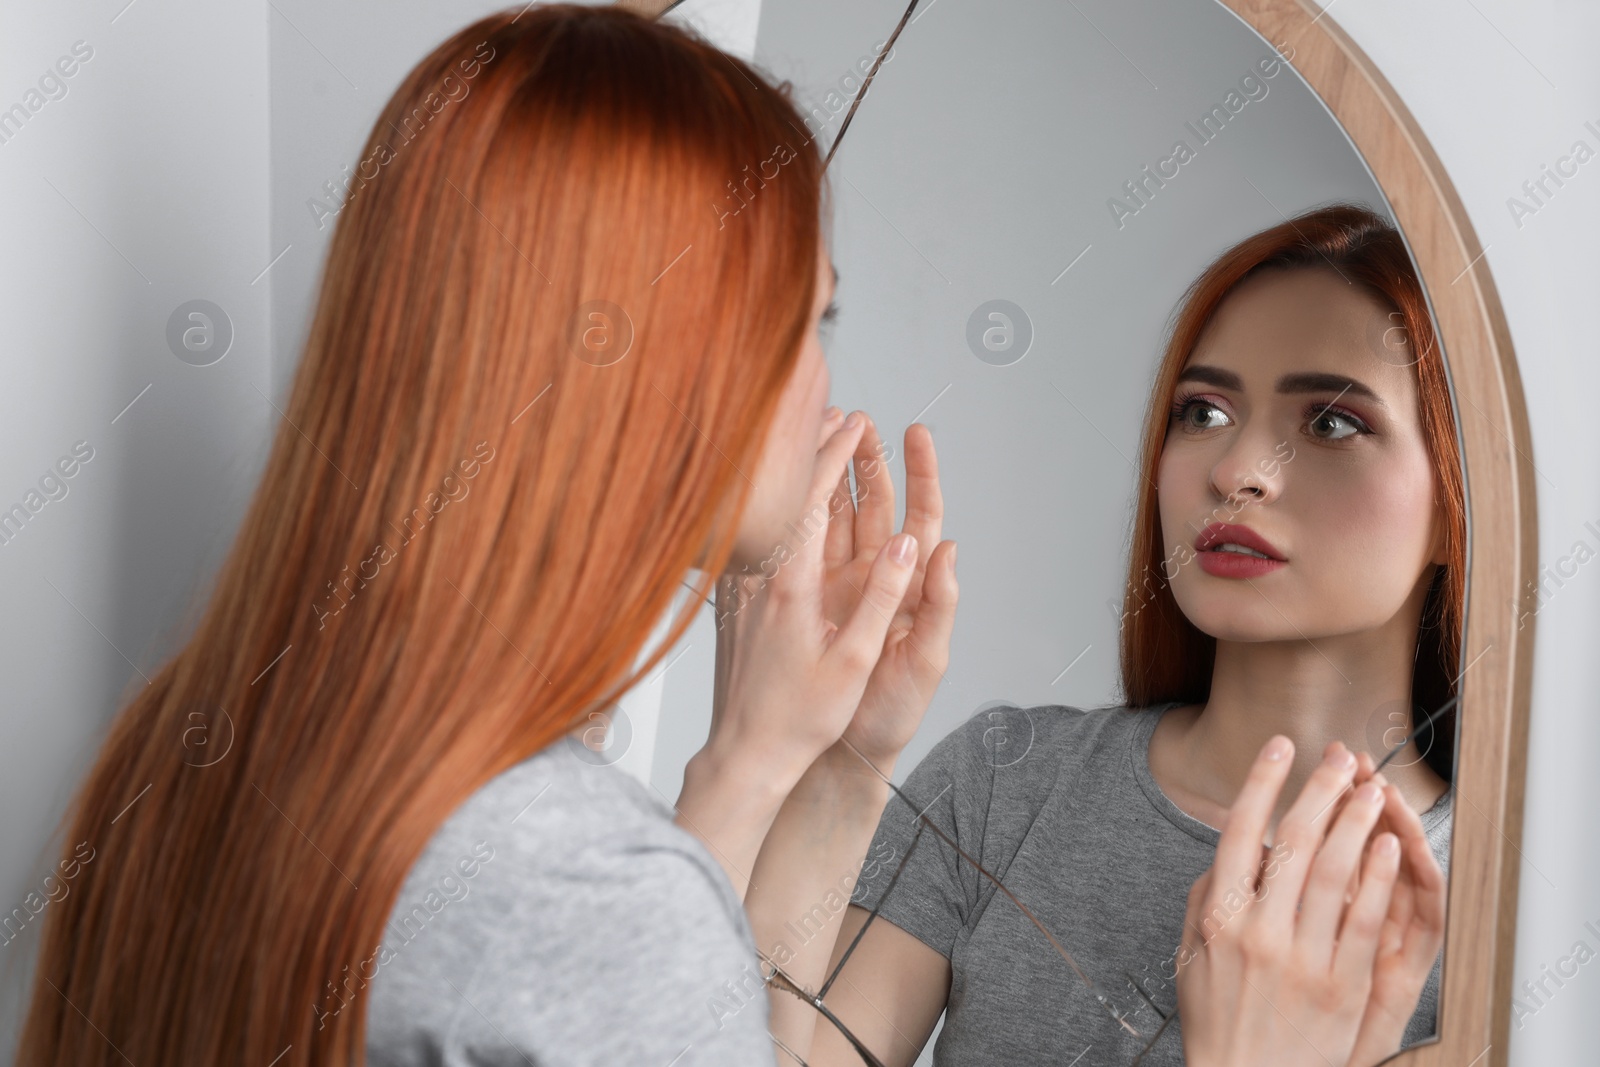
pixel 1497 651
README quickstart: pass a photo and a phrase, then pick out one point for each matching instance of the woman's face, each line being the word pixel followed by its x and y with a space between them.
pixel 1295 436
pixel 782 476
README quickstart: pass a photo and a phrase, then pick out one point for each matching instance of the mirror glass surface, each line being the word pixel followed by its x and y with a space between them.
pixel 1015 224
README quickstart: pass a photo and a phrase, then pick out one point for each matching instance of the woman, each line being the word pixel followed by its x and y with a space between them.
pixel 550 372
pixel 1296 570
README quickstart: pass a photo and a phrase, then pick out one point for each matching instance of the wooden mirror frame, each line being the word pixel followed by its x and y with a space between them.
pixel 1497 648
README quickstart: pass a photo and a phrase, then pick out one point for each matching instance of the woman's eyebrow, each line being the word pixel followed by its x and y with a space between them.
pixel 1222 379
pixel 1319 382
pixel 1303 382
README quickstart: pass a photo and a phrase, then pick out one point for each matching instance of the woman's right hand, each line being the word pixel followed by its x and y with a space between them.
pixel 916 651
pixel 1275 968
pixel 793 676
pixel 789 679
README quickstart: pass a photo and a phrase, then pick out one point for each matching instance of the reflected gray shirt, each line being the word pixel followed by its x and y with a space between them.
pixel 560 917
pixel 1060 805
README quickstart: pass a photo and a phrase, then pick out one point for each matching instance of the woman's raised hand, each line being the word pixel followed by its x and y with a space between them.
pixel 1276 966
pixel 791 671
pixel 916 650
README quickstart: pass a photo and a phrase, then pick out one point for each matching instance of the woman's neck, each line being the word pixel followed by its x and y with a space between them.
pixel 1352 688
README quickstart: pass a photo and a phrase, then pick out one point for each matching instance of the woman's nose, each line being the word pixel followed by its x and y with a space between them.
pixel 1248 472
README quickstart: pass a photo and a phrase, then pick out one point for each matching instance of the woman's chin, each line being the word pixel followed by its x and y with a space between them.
pixel 1244 622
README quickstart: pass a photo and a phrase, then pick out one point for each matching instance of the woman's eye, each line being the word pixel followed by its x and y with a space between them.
pixel 1197 414
pixel 1330 425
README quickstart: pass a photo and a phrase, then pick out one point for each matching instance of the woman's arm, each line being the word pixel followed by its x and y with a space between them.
pixel 803 879
pixel 814 851
pixel 889 995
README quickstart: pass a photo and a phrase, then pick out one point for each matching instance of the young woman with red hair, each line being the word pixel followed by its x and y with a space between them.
pixel 549 375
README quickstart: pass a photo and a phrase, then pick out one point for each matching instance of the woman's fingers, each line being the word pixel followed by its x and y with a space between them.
pixel 859 643
pixel 805 572
pixel 924 501
pixel 1194 938
pixel 1332 871
pixel 935 617
pixel 832 419
pixel 1239 848
pixel 874 493
pixel 1424 884
pixel 1363 922
pixel 1302 829
pixel 839 547
pixel 841 506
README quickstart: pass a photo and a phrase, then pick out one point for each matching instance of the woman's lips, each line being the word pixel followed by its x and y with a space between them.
pixel 1235 565
pixel 1227 563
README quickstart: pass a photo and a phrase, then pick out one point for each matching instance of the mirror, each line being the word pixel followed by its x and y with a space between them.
pixel 1024 197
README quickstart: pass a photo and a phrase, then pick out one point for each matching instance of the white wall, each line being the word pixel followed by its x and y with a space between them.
pixel 141 188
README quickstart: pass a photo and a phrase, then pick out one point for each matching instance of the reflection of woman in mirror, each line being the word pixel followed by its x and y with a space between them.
pixel 1296 570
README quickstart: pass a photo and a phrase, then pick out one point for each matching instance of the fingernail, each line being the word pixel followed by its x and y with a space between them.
pixel 1387 845
pixel 953 551
pixel 854 420
pixel 903 548
pixel 1340 757
pixel 831 412
pixel 1278 748
pixel 1369 794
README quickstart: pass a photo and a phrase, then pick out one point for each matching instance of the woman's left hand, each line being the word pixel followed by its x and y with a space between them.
pixel 1275 970
pixel 916 651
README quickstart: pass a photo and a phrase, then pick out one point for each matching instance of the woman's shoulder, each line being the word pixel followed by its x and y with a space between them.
pixel 562 816
pixel 586 910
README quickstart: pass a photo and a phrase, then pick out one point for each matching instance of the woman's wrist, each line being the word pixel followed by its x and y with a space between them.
pixel 730 805
pixel 846 765
pixel 724 774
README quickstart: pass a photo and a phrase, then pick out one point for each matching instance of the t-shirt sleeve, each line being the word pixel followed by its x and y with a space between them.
pixel 675 976
pixel 935 891
pixel 598 933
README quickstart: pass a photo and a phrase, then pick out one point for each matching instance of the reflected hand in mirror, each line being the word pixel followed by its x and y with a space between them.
pixel 1306 951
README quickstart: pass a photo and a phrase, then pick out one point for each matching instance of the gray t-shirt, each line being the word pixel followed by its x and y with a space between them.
pixel 1060 805
pixel 560 917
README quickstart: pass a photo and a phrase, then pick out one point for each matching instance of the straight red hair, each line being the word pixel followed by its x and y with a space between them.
pixel 472 516
pixel 1164 656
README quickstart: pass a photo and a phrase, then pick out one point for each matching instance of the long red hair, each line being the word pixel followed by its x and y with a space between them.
pixel 1164 656
pixel 544 349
